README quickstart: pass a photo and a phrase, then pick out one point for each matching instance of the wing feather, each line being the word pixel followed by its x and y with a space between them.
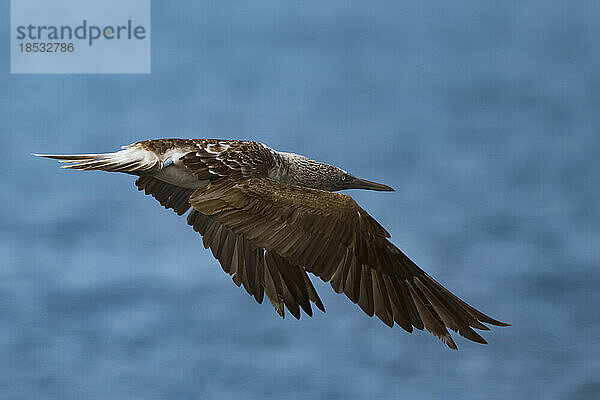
pixel 257 270
pixel 332 237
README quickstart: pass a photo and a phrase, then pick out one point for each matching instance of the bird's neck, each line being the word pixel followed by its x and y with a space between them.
pixel 297 170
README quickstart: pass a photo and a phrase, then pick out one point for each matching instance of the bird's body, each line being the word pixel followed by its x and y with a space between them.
pixel 270 217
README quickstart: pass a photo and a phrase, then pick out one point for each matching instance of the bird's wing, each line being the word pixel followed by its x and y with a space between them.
pixel 169 196
pixel 258 270
pixel 334 238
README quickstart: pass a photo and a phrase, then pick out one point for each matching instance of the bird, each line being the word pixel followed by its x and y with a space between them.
pixel 271 218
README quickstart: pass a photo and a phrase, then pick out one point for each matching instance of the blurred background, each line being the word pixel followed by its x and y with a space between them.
pixel 483 115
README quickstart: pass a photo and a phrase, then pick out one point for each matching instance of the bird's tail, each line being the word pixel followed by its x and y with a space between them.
pixel 133 159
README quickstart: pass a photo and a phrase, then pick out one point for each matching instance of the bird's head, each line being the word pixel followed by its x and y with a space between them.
pixel 344 180
pixel 302 171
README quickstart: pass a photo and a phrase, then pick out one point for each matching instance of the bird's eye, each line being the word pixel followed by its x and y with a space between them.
pixel 344 178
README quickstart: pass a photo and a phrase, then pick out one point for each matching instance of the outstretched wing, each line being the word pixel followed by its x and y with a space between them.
pixel 334 238
pixel 258 270
pixel 169 196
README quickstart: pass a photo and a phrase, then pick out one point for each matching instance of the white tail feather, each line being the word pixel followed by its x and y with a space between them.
pixel 132 159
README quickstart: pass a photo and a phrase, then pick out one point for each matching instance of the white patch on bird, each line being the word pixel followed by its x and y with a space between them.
pixel 173 154
pixel 174 172
pixel 133 153
pixel 167 162
pixel 292 155
pixel 215 148
pixel 180 176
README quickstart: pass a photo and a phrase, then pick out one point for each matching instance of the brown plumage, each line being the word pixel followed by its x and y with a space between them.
pixel 270 217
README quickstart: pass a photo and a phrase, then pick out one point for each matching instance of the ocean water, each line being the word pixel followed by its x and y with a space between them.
pixel 483 115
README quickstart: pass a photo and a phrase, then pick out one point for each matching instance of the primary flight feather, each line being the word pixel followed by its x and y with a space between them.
pixel 271 217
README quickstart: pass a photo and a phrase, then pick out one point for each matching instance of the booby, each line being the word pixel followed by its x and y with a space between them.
pixel 271 217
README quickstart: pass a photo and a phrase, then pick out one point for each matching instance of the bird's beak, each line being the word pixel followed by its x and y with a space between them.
pixel 358 183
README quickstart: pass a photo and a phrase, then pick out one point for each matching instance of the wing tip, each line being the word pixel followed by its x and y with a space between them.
pixel 447 339
pixel 320 305
pixel 488 320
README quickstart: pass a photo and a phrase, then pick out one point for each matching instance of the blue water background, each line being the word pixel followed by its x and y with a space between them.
pixel 485 117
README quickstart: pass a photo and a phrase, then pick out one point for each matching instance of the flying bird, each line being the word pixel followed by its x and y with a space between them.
pixel 271 217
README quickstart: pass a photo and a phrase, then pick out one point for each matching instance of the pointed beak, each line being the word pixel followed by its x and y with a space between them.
pixel 358 183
